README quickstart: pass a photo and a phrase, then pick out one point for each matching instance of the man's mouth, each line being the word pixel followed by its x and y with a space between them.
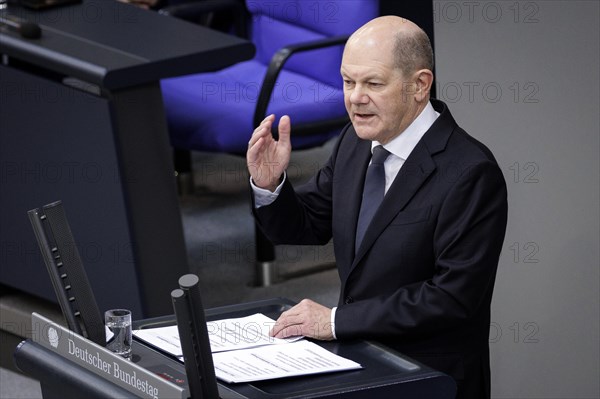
pixel 361 117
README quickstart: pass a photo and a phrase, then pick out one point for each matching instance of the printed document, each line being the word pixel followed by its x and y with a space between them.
pixel 244 351
pixel 277 361
pixel 224 335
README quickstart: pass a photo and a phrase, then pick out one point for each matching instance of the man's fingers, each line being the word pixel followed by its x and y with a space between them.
pixel 286 321
pixel 285 331
pixel 254 151
pixel 262 130
pixel 291 331
pixel 259 132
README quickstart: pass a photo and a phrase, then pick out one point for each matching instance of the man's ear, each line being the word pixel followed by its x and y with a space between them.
pixel 424 81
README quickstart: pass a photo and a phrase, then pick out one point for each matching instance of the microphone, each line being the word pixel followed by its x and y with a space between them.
pixel 28 30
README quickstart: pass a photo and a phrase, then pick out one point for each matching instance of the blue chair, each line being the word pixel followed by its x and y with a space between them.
pixel 299 45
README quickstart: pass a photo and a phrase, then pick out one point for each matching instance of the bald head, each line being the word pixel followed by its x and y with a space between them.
pixel 403 39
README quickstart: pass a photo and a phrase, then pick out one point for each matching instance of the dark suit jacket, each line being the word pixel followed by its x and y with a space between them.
pixel 422 279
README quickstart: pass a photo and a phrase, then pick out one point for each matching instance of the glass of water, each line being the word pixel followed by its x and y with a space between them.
pixel 118 333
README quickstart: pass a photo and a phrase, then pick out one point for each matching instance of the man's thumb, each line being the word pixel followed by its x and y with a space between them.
pixel 284 129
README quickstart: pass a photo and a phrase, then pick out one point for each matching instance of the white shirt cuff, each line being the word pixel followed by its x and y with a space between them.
pixel 264 197
pixel 333 310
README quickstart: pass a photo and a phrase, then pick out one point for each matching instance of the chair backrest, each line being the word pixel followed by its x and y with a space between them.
pixel 278 23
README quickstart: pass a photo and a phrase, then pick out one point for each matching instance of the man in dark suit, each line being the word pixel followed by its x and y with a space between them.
pixel 420 276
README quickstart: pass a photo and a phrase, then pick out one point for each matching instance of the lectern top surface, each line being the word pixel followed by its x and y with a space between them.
pixel 116 45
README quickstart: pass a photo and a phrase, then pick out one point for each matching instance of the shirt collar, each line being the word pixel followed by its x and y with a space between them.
pixel 403 144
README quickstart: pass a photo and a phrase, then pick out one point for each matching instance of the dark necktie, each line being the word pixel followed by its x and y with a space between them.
pixel 373 192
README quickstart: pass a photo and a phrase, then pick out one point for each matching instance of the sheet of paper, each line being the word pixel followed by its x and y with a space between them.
pixel 278 361
pixel 242 333
pixel 164 338
pixel 224 335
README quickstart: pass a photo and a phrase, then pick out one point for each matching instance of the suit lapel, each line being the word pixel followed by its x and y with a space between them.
pixel 351 185
pixel 415 171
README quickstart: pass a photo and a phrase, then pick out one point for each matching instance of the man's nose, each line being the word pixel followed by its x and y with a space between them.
pixel 359 95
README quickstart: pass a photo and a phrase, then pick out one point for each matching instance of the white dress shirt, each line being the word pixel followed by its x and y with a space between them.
pixel 402 145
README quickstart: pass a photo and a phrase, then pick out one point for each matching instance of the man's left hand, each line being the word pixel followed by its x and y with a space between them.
pixel 308 319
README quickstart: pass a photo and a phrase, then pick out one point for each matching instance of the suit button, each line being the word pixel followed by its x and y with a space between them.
pixel 348 300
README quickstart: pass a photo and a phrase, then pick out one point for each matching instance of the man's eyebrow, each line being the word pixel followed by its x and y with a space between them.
pixel 346 75
pixel 372 76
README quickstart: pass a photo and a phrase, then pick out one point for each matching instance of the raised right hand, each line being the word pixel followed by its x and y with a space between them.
pixel 268 158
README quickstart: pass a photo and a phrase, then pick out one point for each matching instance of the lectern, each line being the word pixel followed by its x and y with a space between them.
pixel 385 374
pixel 82 121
